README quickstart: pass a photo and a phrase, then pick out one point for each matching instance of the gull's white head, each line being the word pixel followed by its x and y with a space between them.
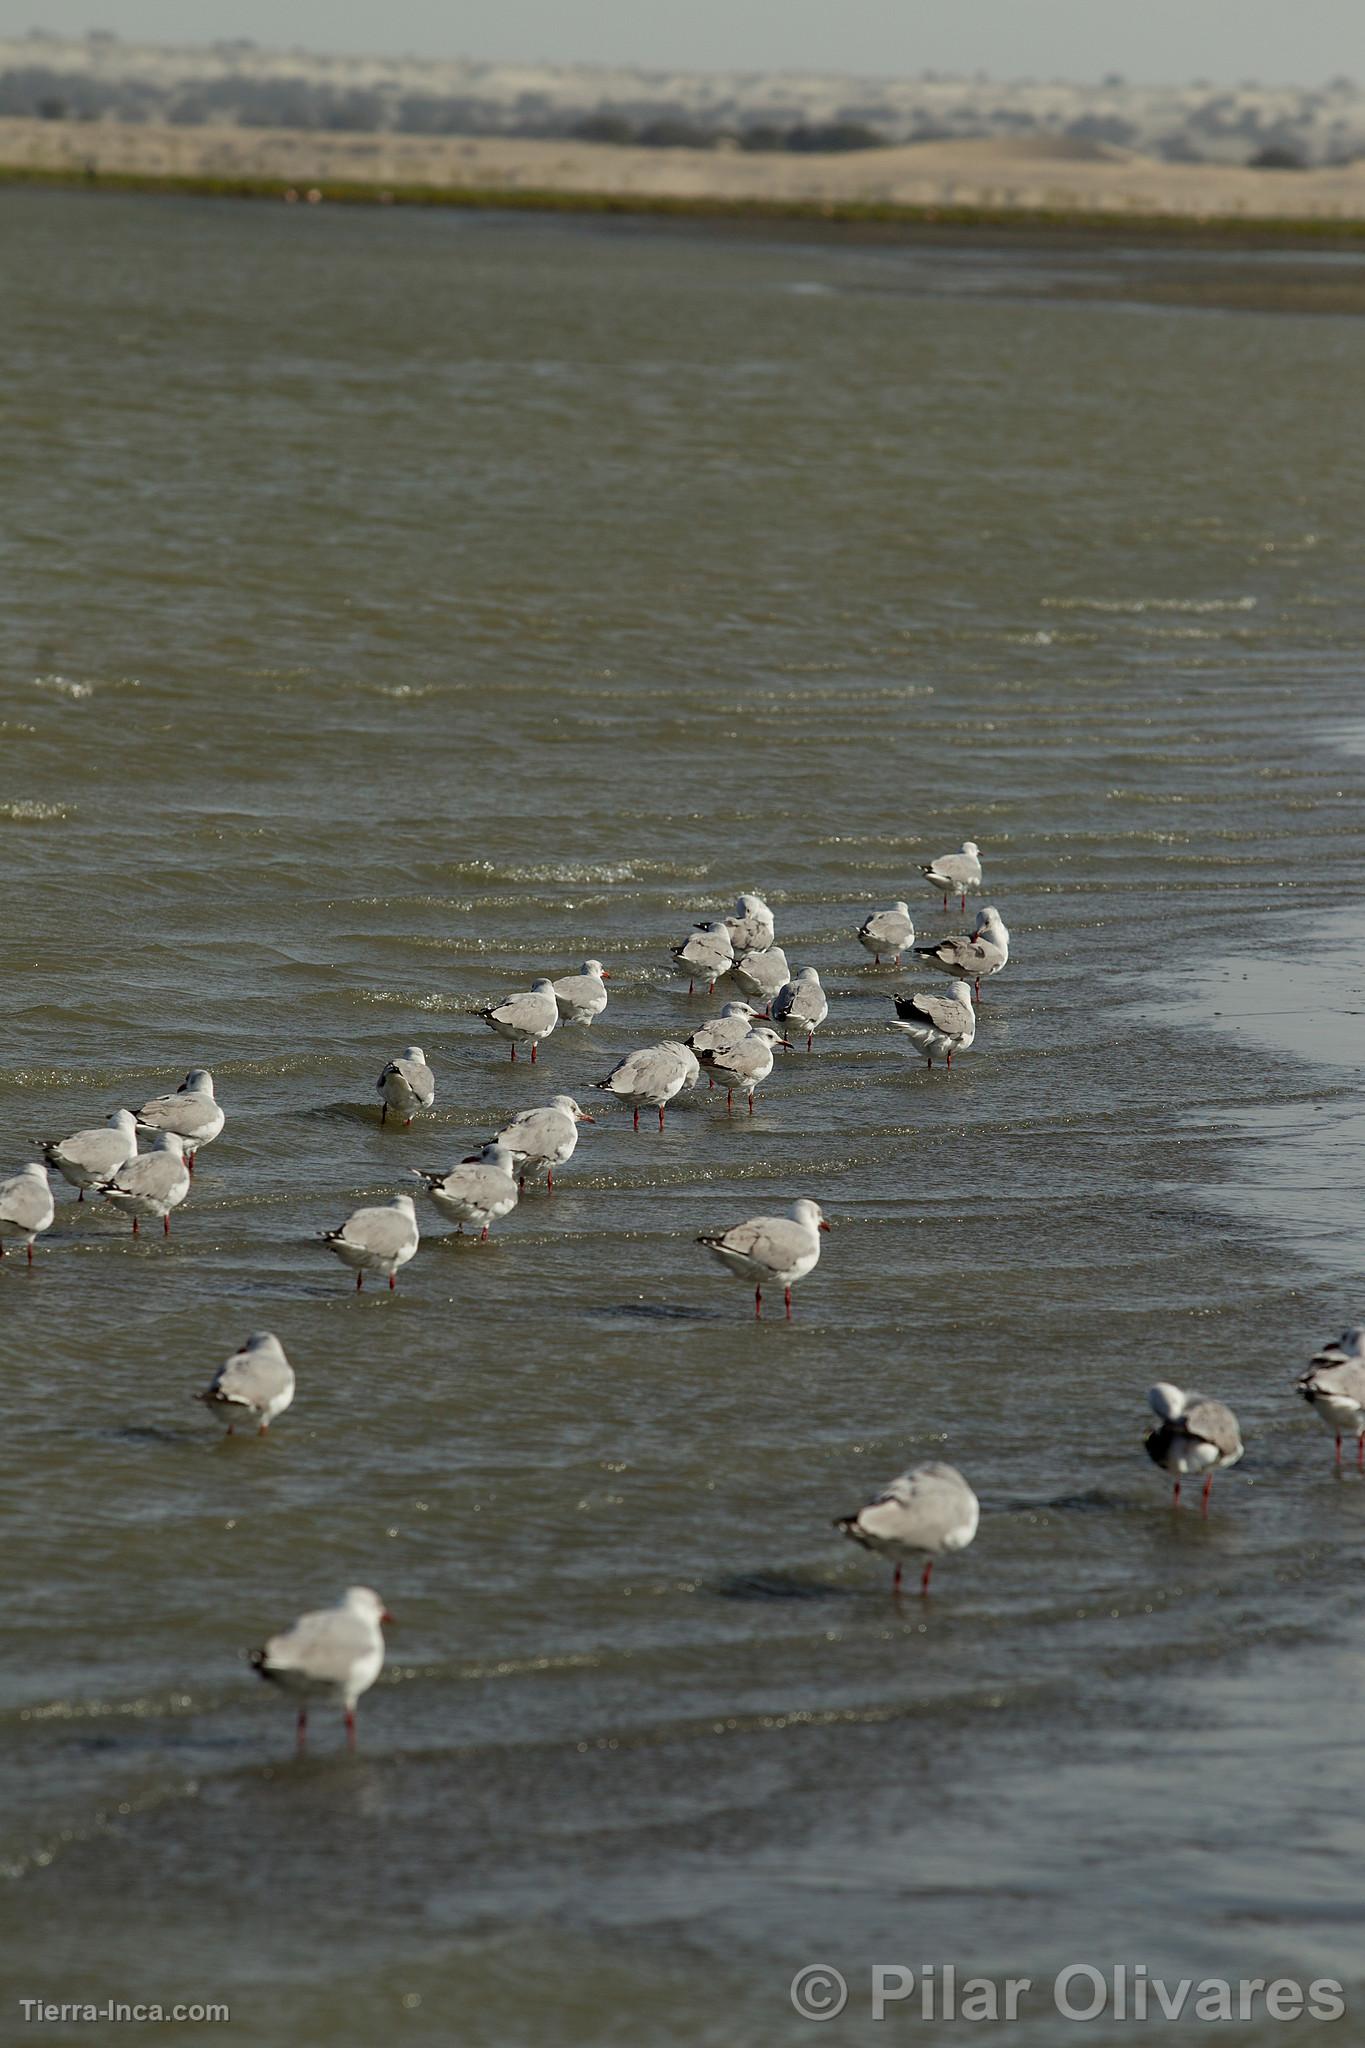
pixel 122 1120
pixel 169 1141
pixel 493 1155
pixel 595 967
pixel 366 1605
pixel 1352 1341
pixel 811 1214
pixel 414 1052
pixel 961 992
pixel 901 909
pixel 263 1340
pixel 542 986
pixel 768 1035
pixel 566 1106
pixel 970 846
pixel 740 1010
pixel 1168 1401
pixel 713 928
pixel 810 974
pixel 198 1081
pixel 36 1169
pixel 405 1203
pixel 750 906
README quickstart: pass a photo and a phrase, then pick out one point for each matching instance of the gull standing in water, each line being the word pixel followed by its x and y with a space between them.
pixel 938 1024
pixel 153 1184
pixel 255 1385
pixel 26 1206
pixel 377 1240
pixel 336 1653
pixel 726 1029
pixel 953 874
pixel 407 1084
pixel 1334 1388
pixel 191 1113
pixel 479 1190
pixel 88 1157
pixel 1196 1435
pixel 973 956
pixel 582 996
pixel 750 925
pixel 803 1003
pixel 544 1137
pixel 706 955
pixel 762 974
pixel 930 1508
pixel 888 931
pixel 650 1077
pixel 777 1250
pixel 526 1018
pixel 745 1063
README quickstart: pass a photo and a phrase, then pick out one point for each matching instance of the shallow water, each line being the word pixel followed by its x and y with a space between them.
pixel 401 606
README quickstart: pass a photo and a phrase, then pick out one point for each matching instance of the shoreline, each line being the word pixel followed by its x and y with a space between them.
pixel 1191 230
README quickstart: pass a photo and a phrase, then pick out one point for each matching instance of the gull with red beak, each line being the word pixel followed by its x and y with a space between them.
pixel 544 1137
pixel 334 1653
pixel 525 1018
pixel 775 1251
pixel 706 955
pixel 479 1190
pixel 745 1063
pixel 650 1077
pixel 888 931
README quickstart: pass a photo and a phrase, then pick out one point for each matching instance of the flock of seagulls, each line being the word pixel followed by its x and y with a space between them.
pixel 931 1510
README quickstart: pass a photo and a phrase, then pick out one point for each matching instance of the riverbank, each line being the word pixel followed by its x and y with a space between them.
pixel 1031 183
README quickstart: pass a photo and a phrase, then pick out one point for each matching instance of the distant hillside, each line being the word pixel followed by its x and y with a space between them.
pixel 101 78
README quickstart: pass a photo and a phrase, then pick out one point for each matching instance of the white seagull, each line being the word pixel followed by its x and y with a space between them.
pixel 929 1508
pixel 336 1653
pixel 745 1063
pixel 777 1250
pixel 583 996
pixel 973 956
pixel 153 1184
pixel 1334 1387
pixel 377 1240
pixel 750 925
pixel 26 1206
pixel 544 1137
pixel 762 974
pixel 526 1018
pixel 802 1002
pixel 407 1084
pixel 727 1029
pixel 88 1157
pixel 191 1113
pixel 1196 1435
pixel 479 1190
pixel 255 1385
pixel 650 1077
pixel 888 931
pixel 938 1024
pixel 953 874
pixel 706 955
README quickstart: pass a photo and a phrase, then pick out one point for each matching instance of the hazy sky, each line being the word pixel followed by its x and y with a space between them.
pixel 1157 40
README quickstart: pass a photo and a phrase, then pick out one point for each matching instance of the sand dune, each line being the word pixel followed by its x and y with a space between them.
pixel 1053 173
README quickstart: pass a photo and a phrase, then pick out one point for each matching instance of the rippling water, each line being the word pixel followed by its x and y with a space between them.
pixel 400 606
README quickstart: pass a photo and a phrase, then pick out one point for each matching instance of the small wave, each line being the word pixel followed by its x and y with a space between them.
pixel 22 813
pixel 1149 604
pixel 63 686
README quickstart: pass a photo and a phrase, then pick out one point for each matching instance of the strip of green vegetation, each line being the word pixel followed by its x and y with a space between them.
pixel 845 212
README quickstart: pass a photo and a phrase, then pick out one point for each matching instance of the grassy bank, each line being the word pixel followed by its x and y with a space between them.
pixel 871 216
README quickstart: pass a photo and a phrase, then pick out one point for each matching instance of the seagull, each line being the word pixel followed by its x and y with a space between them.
pixel 377 1240
pixel 153 1184
pixel 1334 1387
pixel 26 1206
pixel 750 925
pixel 88 1157
pixel 762 974
pixel 938 1024
pixel 975 955
pixel 526 1018
pixel 802 1002
pixel 888 931
pixel 191 1113
pixel 651 1077
pixel 745 1063
pixel 337 1653
pixel 727 1029
pixel 931 1507
pixel 255 1385
pixel 953 874
pixel 407 1084
pixel 479 1190
pixel 778 1249
pixel 544 1137
pixel 1196 1435
pixel 582 996
pixel 707 953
